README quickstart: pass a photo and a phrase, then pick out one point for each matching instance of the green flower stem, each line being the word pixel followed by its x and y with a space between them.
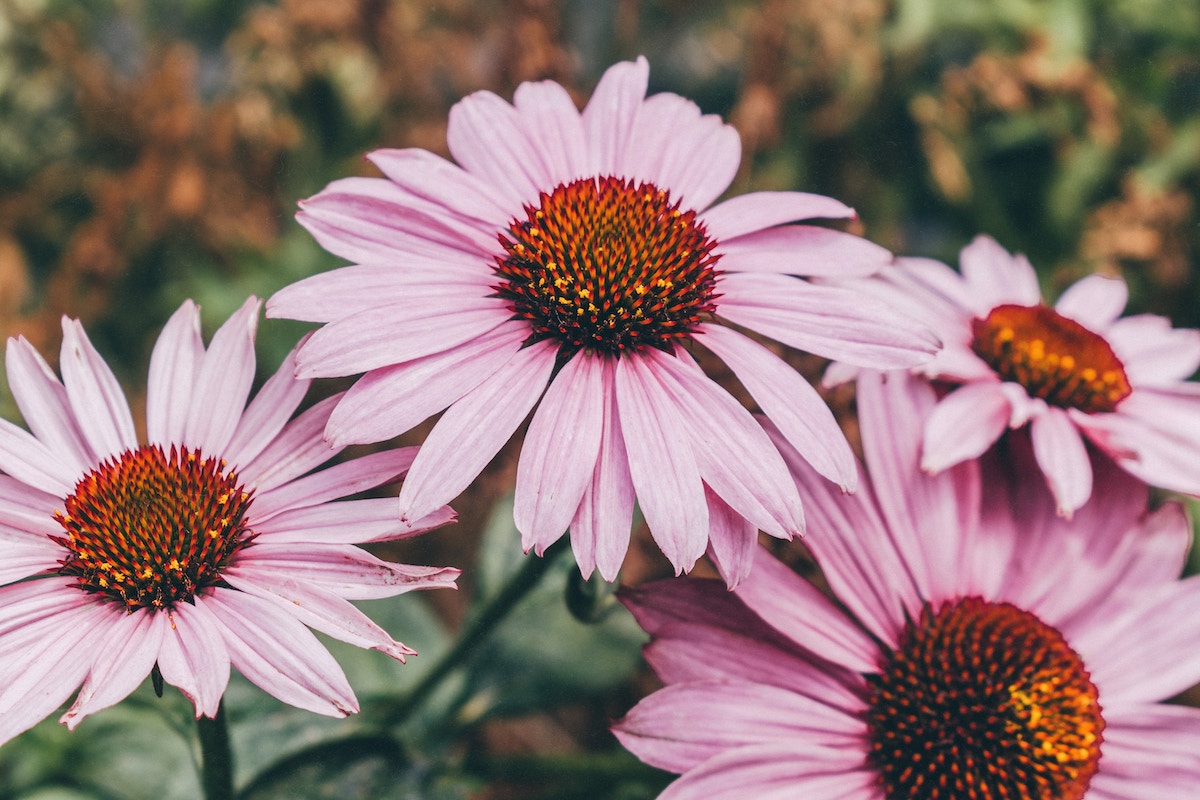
pixel 216 757
pixel 473 634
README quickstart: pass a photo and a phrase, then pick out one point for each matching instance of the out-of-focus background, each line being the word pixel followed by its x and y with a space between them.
pixel 154 150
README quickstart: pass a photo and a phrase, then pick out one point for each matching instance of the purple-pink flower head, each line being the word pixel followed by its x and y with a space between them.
pixel 980 646
pixel 572 261
pixel 219 542
pixel 1076 372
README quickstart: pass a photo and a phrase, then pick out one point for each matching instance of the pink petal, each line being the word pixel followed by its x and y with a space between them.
pixel 193 656
pixel 1094 302
pixel 28 509
pixel 267 413
pixel 339 480
pixel 298 448
pixel 734 454
pixel 318 609
pixel 1152 351
pixel 1154 435
pixel 434 178
pixel 1063 459
pixel 963 425
pixel 679 727
pixel 1150 753
pixel 558 456
pixel 279 655
pixel 95 395
pixel 129 644
pixel 487 137
pixel 789 401
pixel 662 463
pixel 342 569
pixel 781 770
pixel 345 521
pixel 600 529
pixel 378 337
pixel 24 559
pixel 747 213
pixel 224 381
pixel 803 250
pixel 374 221
pixel 826 320
pixel 31 462
pixel 694 157
pixel 44 405
pixel 609 116
pixel 552 123
pixel 732 540
pixel 174 367
pixel 391 400
pixel 996 277
pixel 473 430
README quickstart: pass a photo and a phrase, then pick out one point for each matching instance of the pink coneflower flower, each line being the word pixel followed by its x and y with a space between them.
pixel 982 649
pixel 213 544
pixel 565 258
pixel 1076 372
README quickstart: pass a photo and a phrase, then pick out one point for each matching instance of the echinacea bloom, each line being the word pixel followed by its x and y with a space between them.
pixel 215 543
pixel 573 258
pixel 983 646
pixel 1074 372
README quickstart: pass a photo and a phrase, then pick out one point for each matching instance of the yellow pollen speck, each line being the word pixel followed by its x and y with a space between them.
pixel 1067 362
pixel 639 288
pixel 174 565
pixel 147 572
pixel 585 293
pixel 1088 374
pixel 562 283
pixel 1005 335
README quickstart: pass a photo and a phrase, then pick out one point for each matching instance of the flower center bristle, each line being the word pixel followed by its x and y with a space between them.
pixel 151 530
pixel 983 700
pixel 1053 357
pixel 608 265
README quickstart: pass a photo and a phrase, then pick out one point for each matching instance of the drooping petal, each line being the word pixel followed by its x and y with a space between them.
pixel 193 657
pixel 732 540
pixel 963 425
pixel 473 430
pixel 129 644
pixel 1063 458
pixel 558 456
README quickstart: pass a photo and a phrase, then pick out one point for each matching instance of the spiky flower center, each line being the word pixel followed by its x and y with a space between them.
pixel 983 700
pixel 150 529
pixel 1053 357
pixel 608 265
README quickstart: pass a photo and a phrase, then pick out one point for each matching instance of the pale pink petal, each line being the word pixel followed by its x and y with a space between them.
pixel 279 655
pixel 734 454
pixel 552 123
pixel 681 726
pixel 732 540
pixel 129 645
pixel 434 178
pixel 1150 753
pixel 340 480
pixel 1094 302
pixel 487 137
pixel 224 381
pixel 28 509
pixel 830 321
pixel 374 221
pixel 803 250
pixel 1152 351
pixel 996 277
pixel 662 463
pixel 318 609
pixel 600 529
pixel 24 559
pixel 1154 435
pixel 473 430
pixel 558 456
pixel 43 402
pixel 345 521
pixel 271 408
pixel 298 448
pixel 96 397
pixel 378 337
pixel 795 608
pixel 29 461
pixel 781 770
pixel 193 657
pixel 789 401
pixel 963 425
pixel 342 569
pixel 174 366
pixel 608 119
pixel 673 146
pixel 1063 458
pixel 757 211
pixel 389 401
